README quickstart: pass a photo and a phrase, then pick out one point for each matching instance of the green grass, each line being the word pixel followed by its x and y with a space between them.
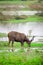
pixel 28 19
pixel 4 45
pixel 31 57
pixel 37 44
pixel 3 35
pixel 25 3
pixel 21 58
pixel 17 2
pixel 20 2
pixel 33 18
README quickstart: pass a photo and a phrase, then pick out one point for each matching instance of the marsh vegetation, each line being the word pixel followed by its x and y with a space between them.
pixel 21 56
pixel 18 15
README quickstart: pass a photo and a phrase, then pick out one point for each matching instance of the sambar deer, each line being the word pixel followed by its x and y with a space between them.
pixel 19 37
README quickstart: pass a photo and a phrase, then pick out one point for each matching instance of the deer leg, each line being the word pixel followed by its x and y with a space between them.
pixel 21 44
pixel 29 45
pixel 9 43
pixel 22 48
pixel 12 43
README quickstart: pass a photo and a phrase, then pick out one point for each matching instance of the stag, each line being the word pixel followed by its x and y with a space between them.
pixel 19 37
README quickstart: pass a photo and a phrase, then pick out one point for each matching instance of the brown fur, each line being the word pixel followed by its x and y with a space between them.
pixel 18 37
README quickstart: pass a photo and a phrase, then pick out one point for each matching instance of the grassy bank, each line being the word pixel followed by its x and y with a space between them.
pixel 28 19
pixel 3 35
pixel 18 45
pixel 34 18
pixel 32 57
pixel 21 2
pixel 26 5
pixel 17 6
pixel 17 2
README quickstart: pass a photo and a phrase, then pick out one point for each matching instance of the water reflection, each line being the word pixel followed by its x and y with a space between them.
pixel 20 12
pixel 23 49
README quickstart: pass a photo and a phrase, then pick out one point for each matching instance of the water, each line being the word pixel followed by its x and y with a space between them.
pixel 24 49
pixel 4 39
pixel 35 28
pixel 20 12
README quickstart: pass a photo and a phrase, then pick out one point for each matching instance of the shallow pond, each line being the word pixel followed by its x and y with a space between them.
pixel 20 12
pixel 29 28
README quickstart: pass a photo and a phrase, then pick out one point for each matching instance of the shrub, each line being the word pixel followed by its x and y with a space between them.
pixel 21 17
